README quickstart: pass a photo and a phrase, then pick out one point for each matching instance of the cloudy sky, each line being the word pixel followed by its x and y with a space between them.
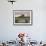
pixel 19 13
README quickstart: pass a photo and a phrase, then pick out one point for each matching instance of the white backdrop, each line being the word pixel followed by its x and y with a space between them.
pixel 38 30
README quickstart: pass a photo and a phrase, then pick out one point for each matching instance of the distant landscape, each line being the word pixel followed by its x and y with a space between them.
pixel 22 19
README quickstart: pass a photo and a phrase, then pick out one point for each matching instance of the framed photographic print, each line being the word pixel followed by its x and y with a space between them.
pixel 22 17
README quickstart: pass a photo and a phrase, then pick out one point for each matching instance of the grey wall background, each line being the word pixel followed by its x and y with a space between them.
pixel 38 30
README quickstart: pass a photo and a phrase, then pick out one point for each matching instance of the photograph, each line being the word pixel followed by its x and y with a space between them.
pixel 22 16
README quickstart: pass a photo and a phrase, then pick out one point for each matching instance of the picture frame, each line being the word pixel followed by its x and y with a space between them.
pixel 22 17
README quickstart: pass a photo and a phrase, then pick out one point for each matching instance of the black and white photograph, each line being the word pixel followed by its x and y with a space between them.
pixel 22 16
